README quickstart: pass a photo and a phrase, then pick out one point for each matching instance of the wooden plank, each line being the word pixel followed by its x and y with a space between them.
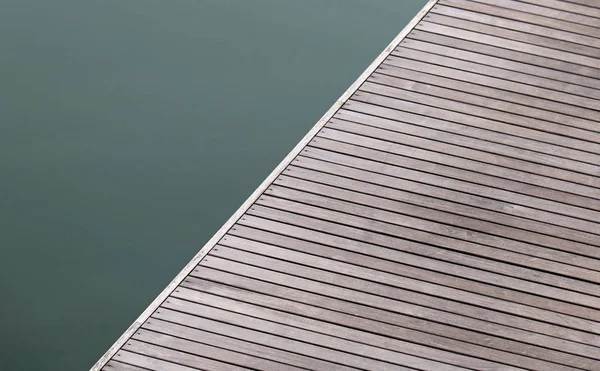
pixel 373 333
pixel 233 359
pixel 498 65
pixel 495 81
pixel 410 215
pixel 498 40
pixel 518 113
pixel 559 338
pixel 488 185
pixel 523 171
pixel 590 3
pixel 445 132
pixel 350 353
pixel 408 268
pixel 118 366
pixel 466 125
pixel 407 314
pixel 149 363
pixel 308 354
pixel 177 357
pixel 326 150
pixel 501 8
pixel 428 333
pixel 430 197
pixel 569 137
pixel 568 7
pixel 294 197
pixel 581 75
pixel 287 360
pixel 461 104
pixel 577 53
pixel 360 231
pixel 556 14
pixel 494 16
pixel 425 204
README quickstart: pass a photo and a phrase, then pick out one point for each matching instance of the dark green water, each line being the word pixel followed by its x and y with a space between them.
pixel 130 130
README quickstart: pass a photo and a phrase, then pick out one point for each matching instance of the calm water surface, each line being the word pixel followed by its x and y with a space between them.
pixel 130 130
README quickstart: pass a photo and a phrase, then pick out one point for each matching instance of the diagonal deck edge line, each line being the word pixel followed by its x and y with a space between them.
pixel 260 190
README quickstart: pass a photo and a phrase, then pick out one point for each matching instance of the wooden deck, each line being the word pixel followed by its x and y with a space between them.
pixel 443 215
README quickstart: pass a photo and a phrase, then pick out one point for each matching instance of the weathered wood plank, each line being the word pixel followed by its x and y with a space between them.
pixel 372 332
pixel 493 83
pixel 470 181
pixel 568 7
pixel 357 230
pixel 292 198
pixel 589 139
pixel 523 171
pixel 287 360
pixel 445 132
pixel 442 53
pixel 428 333
pixel 430 197
pixel 533 7
pixel 145 362
pixel 317 358
pixel 407 267
pixel 119 366
pixel 328 151
pixel 407 314
pixel 466 125
pixel 495 16
pixel 501 8
pixel 460 19
pixel 540 333
pixel 231 359
pixel 375 333
pixel 499 39
pixel 351 353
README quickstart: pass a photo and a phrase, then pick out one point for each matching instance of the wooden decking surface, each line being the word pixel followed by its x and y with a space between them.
pixel 446 217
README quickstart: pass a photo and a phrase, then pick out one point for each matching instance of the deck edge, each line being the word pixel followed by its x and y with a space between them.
pixel 261 189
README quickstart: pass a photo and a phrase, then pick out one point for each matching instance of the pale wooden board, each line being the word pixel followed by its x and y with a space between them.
pixel 569 6
pixel 406 265
pixel 565 71
pixel 573 52
pixel 119 366
pixel 497 81
pixel 406 314
pixel 425 207
pixel 331 323
pixel 473 182
pixel 286 360
pixel 537 333
pixel 464 124
pixel 588 140
pixel 448 135
pixel 279 347
pixel 573 85
pixel 502 8
pixel 498 38
pixel 494 16
pixel 351 353
pixel 532 7
pixel 190 346
pixel 522 171
pixel 428 332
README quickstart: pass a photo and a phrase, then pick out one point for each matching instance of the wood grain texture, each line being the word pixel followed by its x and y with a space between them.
pixel 443 215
